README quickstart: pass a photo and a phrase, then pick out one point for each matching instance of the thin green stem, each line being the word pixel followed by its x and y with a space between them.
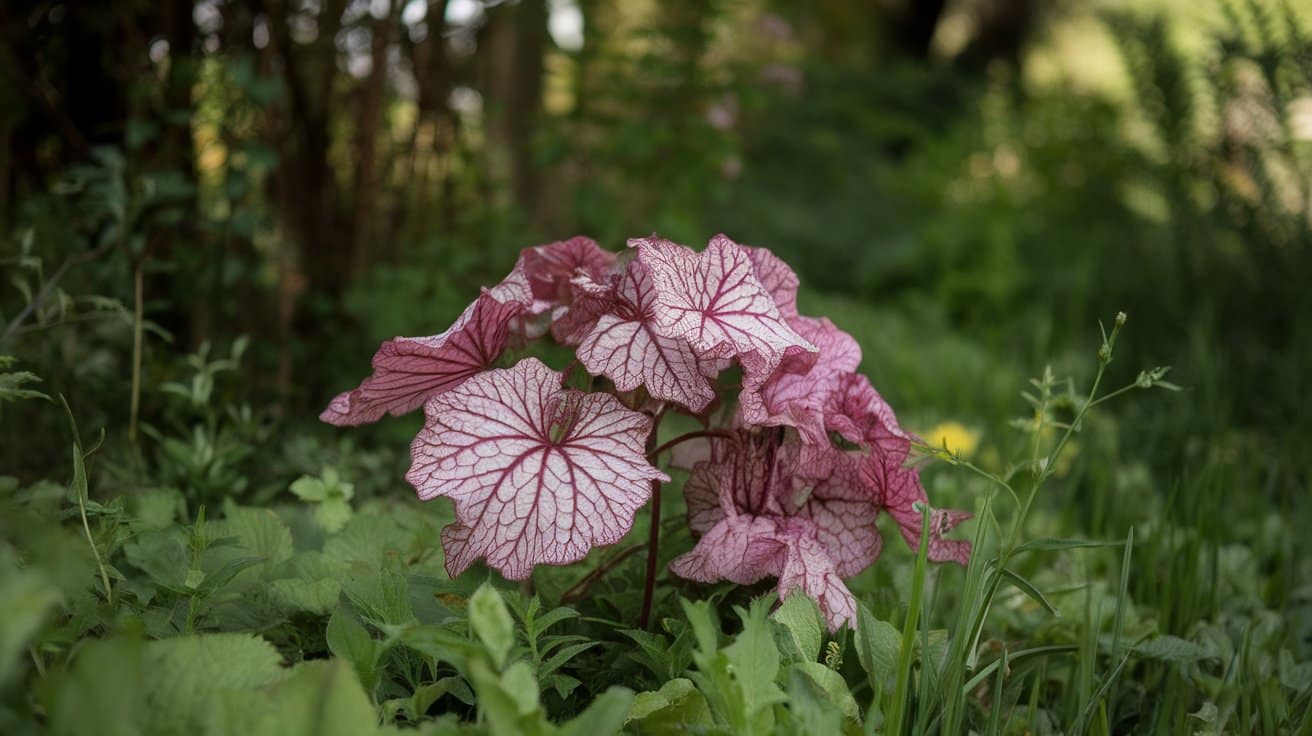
pixel 138 322
pixel 653 549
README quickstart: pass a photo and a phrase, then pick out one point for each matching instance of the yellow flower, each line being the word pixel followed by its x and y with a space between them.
pixel 955 436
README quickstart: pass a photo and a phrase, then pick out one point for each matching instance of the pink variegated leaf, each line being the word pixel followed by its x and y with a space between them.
pixel 408 370
pixel 550 268
pixel 538 474
pixel 589 300
pixel 626 347
pixel 740 549
pixel 808 566
pixel 715 302
pixel 777 278
pixel 541 281
pixel 747 549
pixel 900 491
pixel 856 411
pixel 797 398
pixel 838 502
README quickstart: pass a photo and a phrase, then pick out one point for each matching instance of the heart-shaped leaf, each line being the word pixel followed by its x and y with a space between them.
pixel 538 474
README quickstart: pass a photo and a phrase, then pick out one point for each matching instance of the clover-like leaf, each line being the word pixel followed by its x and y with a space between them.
pixel 538 474
pixel 408 370
pixel 626 347
pixel 714 300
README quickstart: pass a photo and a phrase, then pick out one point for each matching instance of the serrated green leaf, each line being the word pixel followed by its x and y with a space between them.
pixel 162 555
pixel 382 596
pixel 677 708
pixel 319 698
pixel 564 656
pixel 604 716
pixel 185 674
pixel 257 531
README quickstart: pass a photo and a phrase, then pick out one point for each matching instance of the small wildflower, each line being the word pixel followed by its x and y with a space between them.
pixel 955 436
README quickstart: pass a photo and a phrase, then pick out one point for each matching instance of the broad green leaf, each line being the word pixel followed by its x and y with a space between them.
pixel 1172 649
pixel 104 692
pixel 349 640
pixel 877 644
pixel 306 583
pixel 799 629
pixel 26 599
pixel 810 707
pixel 257 531
pixel 604 716
pixel 185 673
pixel 509 702
pixel 380 595
pixel 677 708
pixel 492 624
pixel 440 644
pixel 320 698
pixel 831 684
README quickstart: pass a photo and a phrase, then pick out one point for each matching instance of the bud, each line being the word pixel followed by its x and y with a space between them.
pixel 1120 319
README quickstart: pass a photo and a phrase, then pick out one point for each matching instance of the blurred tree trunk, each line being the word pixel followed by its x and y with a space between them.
pixel 913 28
pixel 372 99
pixel 305 182
pixel 1003 30
pixel 433 134
pixel 512 47
pixel 174 152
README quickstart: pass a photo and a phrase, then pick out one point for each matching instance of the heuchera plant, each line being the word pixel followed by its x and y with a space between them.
pixel 786 480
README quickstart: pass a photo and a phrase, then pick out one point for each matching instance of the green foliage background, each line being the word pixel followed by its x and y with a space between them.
pixel 204 241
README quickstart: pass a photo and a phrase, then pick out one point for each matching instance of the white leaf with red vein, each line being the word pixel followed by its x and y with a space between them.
pixel 900 490
pixel 541 280
pixel 589 300
pixel 715 302
pixel 856 411
pixel 797 399
pixel 776 277
pixel 538 474
pixel 844 510
pixel 740 549
pixel 808 566
pixel 408 370
pixel 549 268
pixel 626 348
pixel 746 549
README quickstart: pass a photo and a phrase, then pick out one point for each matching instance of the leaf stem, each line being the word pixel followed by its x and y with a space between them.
pixel 653 547
pixel 137 330
pixel 577 590
pixel 686 437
